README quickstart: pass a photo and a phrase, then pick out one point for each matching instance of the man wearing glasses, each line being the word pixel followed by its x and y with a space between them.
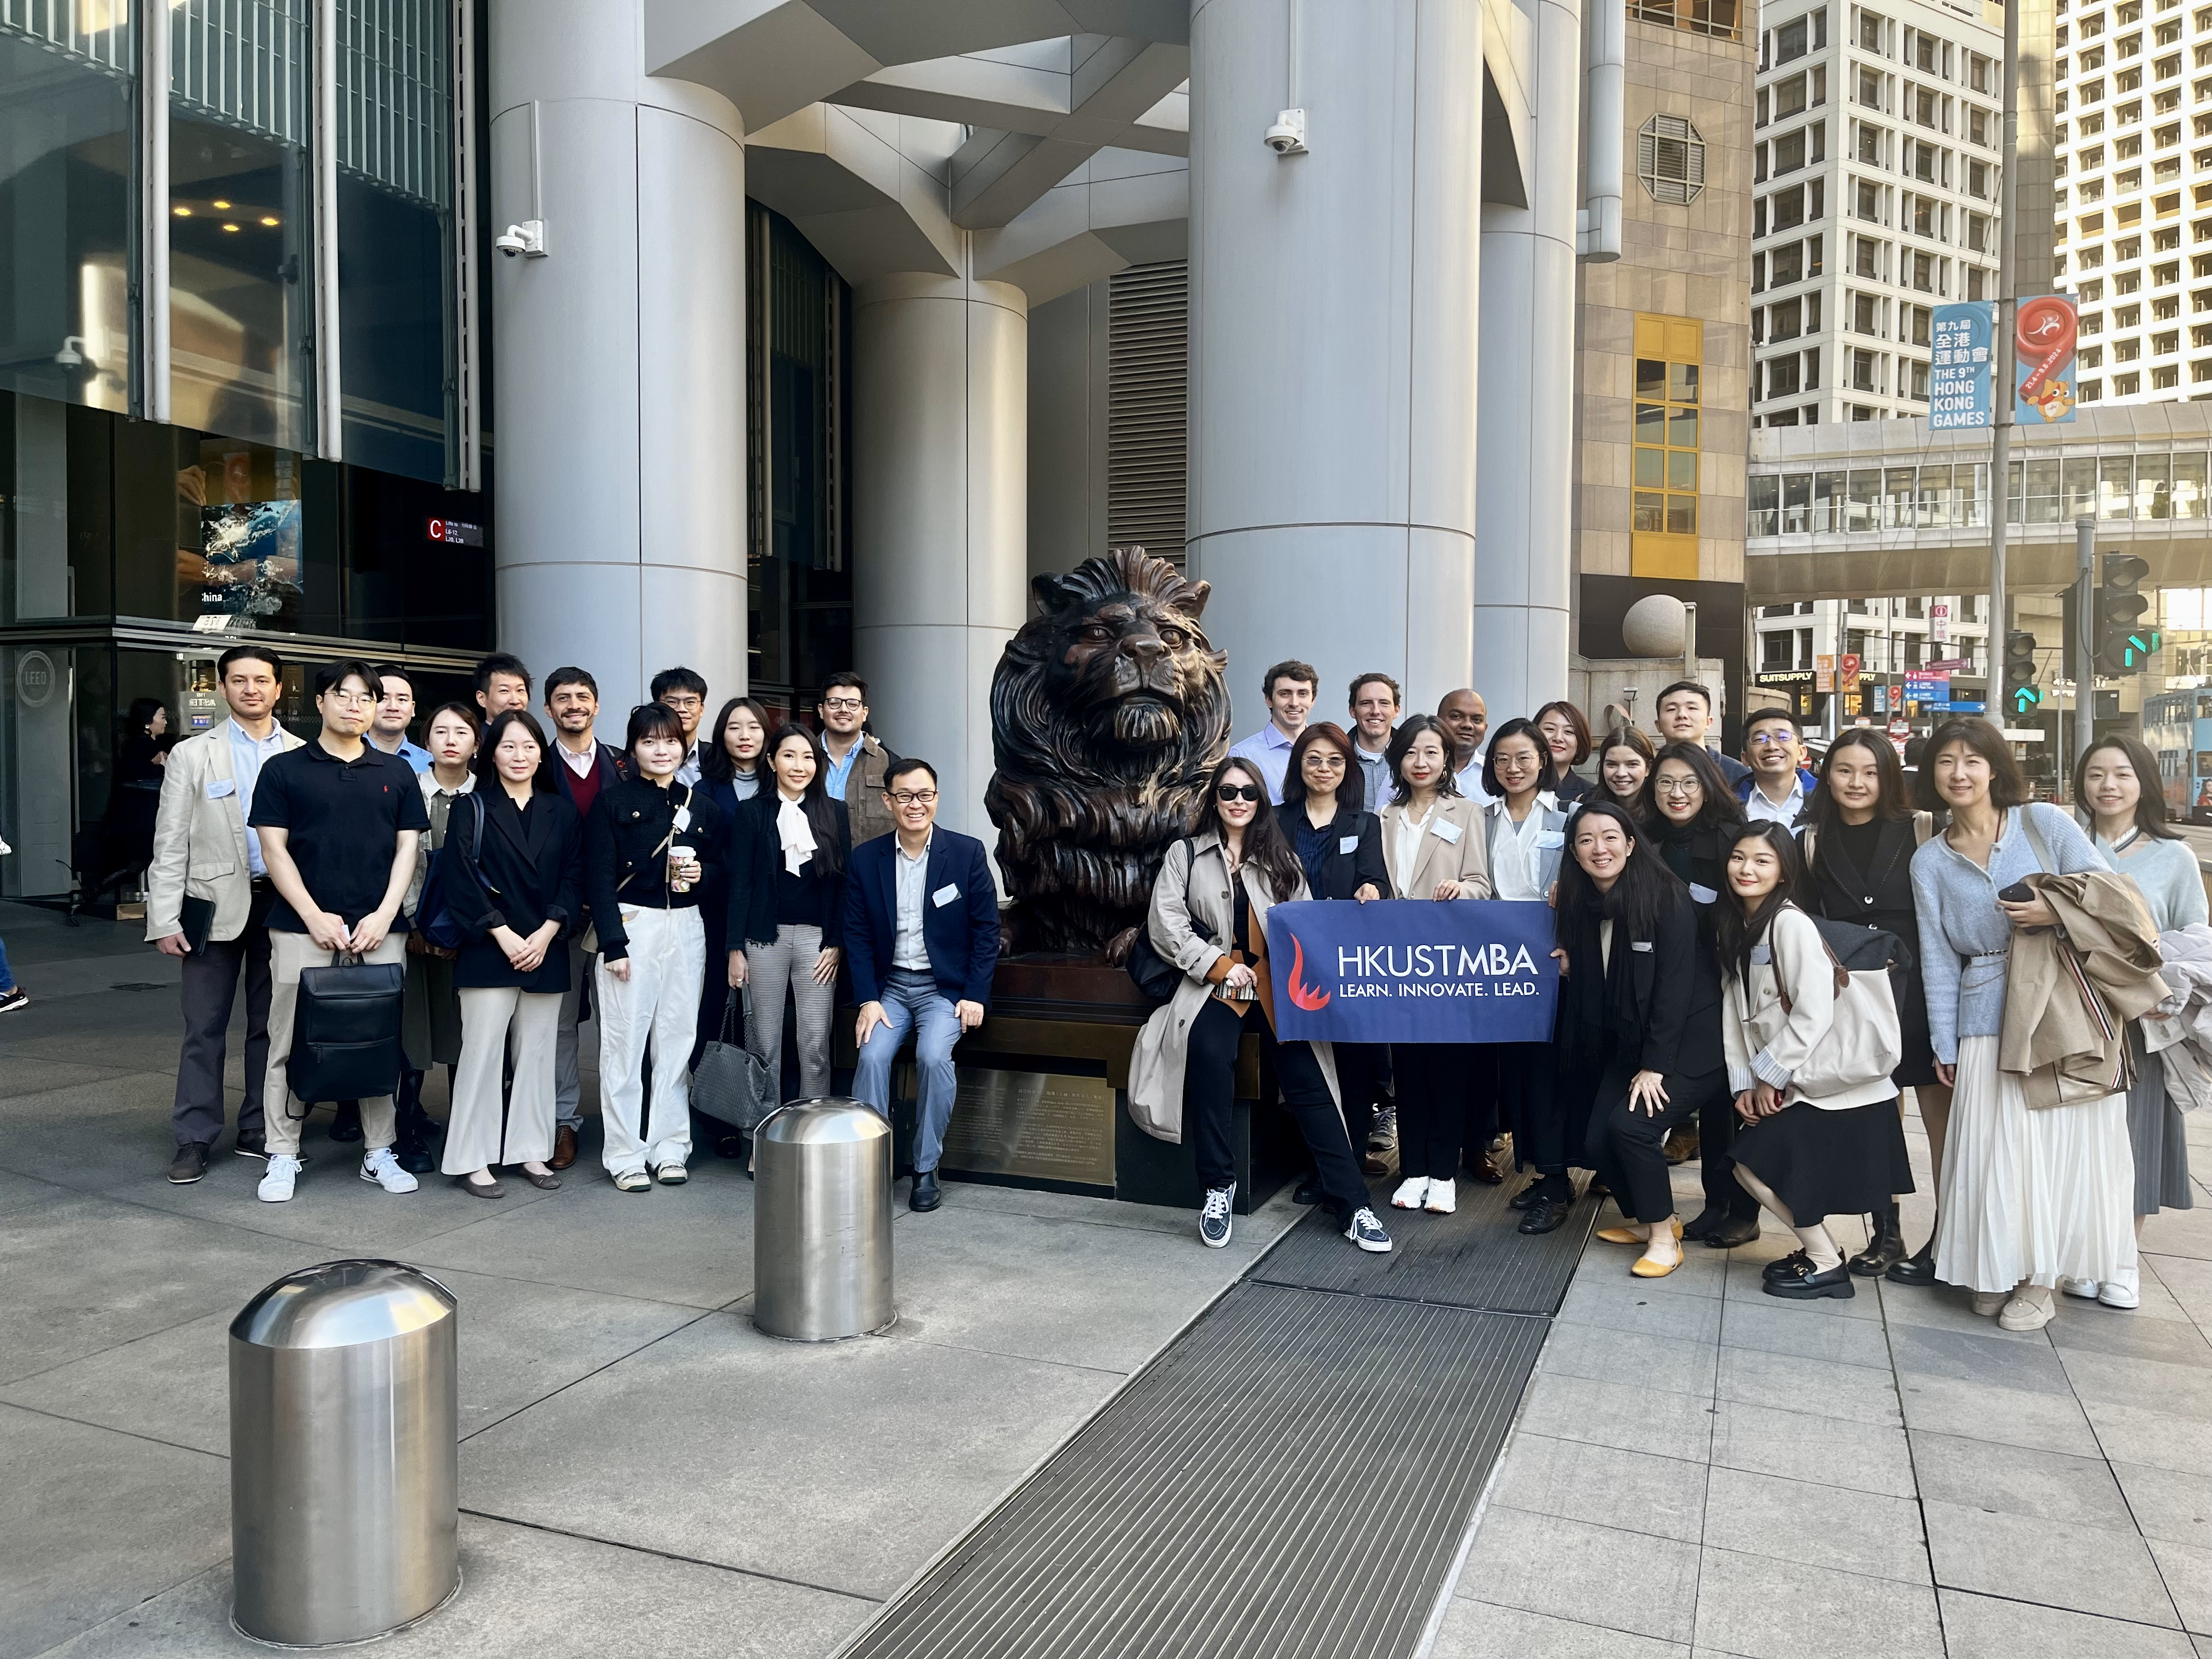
pixel 1775 789
pixel 921 937
pixel 859 766
pixel 684 691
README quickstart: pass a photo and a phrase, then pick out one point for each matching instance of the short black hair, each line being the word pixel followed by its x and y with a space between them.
pixel 330 675
pixel 1704 693
pixel 846 677
pixel 1759 716
pixel 501 662
pixel 561 676
pixel 248 653
pixel 652 719
pixel 392 670
pixel 898 768
pixel 679 679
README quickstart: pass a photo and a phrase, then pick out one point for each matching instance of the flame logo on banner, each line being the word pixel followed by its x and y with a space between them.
pixel 1306 996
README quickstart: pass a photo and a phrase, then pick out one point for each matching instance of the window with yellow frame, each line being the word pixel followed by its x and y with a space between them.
pixel 1664 523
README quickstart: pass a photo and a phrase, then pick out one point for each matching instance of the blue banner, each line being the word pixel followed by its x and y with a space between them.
pixel 1413 970
pixel 1962 370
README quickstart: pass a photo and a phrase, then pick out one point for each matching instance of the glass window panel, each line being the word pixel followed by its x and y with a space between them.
pixel 1651 466
pixel 1681 469
pixel 2116 487
pixel 1864 509
pixel 1651 423
pixel 2153 487
pixel 1764 489
pixel 1898 493
pixel 1650 378
pixel 1682 428
pixel 2189 486
pixel 1682 515
pixel 1935 495
pixel 1651 512
pixel 66 95
pixel 2044 502
pixel 1682 383
pixel 2078 488
pixel 1972 486
pixel 1828 501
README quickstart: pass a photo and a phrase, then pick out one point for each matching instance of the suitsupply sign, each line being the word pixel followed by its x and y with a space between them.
pixel 1413 970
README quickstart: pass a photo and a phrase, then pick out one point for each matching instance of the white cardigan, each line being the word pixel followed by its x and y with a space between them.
pixel 1764 1043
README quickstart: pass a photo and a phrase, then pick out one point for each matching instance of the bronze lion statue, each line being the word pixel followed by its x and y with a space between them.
pixel 1108 712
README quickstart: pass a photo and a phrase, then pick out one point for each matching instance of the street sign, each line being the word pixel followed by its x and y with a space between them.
pixel 1939 622
pixel 1961 705
pixel 1927 688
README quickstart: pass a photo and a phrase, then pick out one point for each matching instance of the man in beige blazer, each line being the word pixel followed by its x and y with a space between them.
pixel 203 850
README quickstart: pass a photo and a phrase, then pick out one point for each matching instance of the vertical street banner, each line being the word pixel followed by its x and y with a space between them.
pixel 1413 970
pixel 1961 372
pixel 2046 331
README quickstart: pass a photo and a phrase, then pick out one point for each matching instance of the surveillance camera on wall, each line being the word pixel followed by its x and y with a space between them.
pixel 1288 135
pixel 528 237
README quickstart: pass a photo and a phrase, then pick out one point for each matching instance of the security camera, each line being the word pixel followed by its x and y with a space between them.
pixel 1288 135
pixel 528 237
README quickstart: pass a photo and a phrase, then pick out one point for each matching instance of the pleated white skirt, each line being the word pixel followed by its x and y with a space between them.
pixel 2031 1196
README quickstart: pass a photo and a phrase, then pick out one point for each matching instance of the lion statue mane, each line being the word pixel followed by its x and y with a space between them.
pixel 1110 710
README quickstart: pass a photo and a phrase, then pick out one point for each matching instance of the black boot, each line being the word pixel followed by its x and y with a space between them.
pixel 1918 1268
pixel 345 1120
pixel 1886 1245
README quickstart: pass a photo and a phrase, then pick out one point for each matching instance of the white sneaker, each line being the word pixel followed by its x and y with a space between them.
pixel 1442 1199
pixel 1213 1221
pixel 1411 1194
pixel 384 1169
pixel 2121 1290
pixel 2084 1288
pixel 277 1180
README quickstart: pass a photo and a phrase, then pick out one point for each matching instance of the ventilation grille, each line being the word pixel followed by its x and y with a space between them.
pixel 1148 409
pixel 1670 159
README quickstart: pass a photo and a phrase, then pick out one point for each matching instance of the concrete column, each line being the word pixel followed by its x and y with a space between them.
pixel 619 471
pixel 1332 387
pixel 940 505
pixel 1524 538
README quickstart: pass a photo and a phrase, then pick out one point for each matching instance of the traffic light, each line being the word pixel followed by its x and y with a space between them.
pixel 2124 640
pixel 2019 671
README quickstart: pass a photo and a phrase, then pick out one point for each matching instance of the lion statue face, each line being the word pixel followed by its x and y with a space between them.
pixel 1125 670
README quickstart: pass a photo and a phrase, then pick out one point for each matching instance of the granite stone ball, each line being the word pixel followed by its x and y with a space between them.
pixel 1653 626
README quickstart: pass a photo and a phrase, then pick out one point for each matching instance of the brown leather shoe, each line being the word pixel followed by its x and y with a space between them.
pixel 564 1148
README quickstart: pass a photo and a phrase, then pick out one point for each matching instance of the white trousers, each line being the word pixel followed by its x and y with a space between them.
pixel 655 1011
pixel 479 1130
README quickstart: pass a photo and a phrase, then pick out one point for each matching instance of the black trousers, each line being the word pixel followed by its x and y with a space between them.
pixel 1436 1089
pixel 1718 1125
pixel 210 990
pixel 1209 1094
pixel 1628 1150
pixel 1533 1105
pixel 1361 1070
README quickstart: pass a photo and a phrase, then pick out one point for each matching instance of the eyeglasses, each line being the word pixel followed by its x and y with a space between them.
pixel 1771 739
pixel 1331 763
pixel 1675 786
pixel 843 705
pixel 355 699
pixel 912 797
pixel 1250 792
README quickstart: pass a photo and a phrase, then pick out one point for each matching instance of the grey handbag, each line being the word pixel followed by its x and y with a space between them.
pixel 730 1083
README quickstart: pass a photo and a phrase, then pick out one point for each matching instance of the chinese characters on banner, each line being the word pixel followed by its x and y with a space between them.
pixel 1959 389
pixel 2045 331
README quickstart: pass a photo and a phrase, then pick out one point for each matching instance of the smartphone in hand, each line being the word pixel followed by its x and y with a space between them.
pixel 2019 893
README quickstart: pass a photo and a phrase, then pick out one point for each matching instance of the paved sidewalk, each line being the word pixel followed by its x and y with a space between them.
pixel 1701 1468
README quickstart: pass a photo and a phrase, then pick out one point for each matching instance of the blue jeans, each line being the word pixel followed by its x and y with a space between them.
pixel 7 979
pixel 912 1000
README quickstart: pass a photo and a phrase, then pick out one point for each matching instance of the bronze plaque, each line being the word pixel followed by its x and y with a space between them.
pixel 1046 1125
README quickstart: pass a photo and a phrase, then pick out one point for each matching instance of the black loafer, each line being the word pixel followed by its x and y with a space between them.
pixel 925 1197
pixel 1544 1215
pixel 1703 1222
pixel 1918 1268
pixel 254 1145
pixel 1731 1233
pixel 1527 1197
pixel 189 1165
pixel 1309 1191
pixel 1789 1266
pixel 1810 1287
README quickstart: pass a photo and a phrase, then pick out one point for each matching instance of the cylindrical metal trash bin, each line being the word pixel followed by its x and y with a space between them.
pixel 821 1221
pixel 344 1443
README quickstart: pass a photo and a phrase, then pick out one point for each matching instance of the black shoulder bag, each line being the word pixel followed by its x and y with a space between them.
pixel 1155 976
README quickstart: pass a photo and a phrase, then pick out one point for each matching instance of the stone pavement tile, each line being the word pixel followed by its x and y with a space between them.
pixel 2187 1570
pixel 1820 1451
pixel 80 1274
pixel 2017 1480
pixel 2060 1564
pixel 518 1342
pixel 1657 1362
pixel 1584 1574
pixel 142 1037
pixel 110 1132
pixel 2032 1366
pixel 96 1521
pixel 1059 1291
pixel 1482 1629
pixel 1857 1532
pixel 2129 1434
pixel 2092 1327
pixel 2158 1302
pixel 26 1075
pixel 1992 1627
pixel 1626 1305
pixel 1764 1608
pixel 2168 1505
pixel 1263 1227
pixel 2149 1385
pixel 1819 1387
pixel 1603 1485
pixel 844 1465
pixel 2002 1416
pixel 1772 1325
pixel 2186 1280
pixel 2179 1232
pixel 526 1594
pixel 1620 1414
pixel 20 1192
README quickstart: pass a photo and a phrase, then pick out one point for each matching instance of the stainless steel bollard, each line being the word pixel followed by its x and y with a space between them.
pixel 344 1454
pixel 821 1221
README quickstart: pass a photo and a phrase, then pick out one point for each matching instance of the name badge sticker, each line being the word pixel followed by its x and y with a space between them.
pixel 1644 945
pixel 1347 843
pixel 684 817
pixel 1447 833
pixel 1762 955
pixel 1548 839
pixel 218 787
pixel 1703 894
pixel 945 895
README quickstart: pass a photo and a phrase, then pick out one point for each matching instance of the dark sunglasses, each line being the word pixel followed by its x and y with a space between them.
pixel 1251 792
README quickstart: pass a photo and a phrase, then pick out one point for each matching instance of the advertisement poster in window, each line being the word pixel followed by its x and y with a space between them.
pixel 1959 397
pixel 2045 331
pixel 251 555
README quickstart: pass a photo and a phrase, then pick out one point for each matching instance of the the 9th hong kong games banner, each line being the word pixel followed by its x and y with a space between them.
pixel 1413 970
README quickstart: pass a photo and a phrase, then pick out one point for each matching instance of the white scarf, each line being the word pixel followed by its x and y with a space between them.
pixel 794 834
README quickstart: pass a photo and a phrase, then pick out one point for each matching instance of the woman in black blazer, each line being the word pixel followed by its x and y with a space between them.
pixel 512 869
pixel 1635 1058
pixel 1340 843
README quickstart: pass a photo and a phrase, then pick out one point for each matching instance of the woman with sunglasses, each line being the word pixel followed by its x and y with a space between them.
pixel 1696 813
pixel 1432 846
pixel 1566 734
pixel 1624 773
pixel 1209 918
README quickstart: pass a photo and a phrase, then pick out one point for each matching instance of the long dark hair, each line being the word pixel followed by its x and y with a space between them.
pixel 542 782
pixel 1643 889
pixel 1638 806
pixel 2008 788
pixel 1721 809
pixel 1521 727
pixel 813 800
pixel 2150 799
pixel 1890 801
pixel 1734 933
pixel 1266 847
pixel 716 765
pixel 1577 722
pixel 1402 739
pixel 1352 791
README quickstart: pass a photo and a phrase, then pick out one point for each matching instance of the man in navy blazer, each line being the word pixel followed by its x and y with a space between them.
pixel 921 937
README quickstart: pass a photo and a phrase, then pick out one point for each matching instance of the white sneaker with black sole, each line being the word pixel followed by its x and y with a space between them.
pixel 1213 1219
pixel 13 998
pixel 1367 1233
pixel 381 1167
pixel 277 1184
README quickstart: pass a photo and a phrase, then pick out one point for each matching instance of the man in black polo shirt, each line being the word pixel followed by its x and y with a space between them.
pixel 339 819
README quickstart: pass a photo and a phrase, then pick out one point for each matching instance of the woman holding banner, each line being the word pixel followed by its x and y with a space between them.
pixel 1636 1057
pixel 1209 918
pixel 1432 846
